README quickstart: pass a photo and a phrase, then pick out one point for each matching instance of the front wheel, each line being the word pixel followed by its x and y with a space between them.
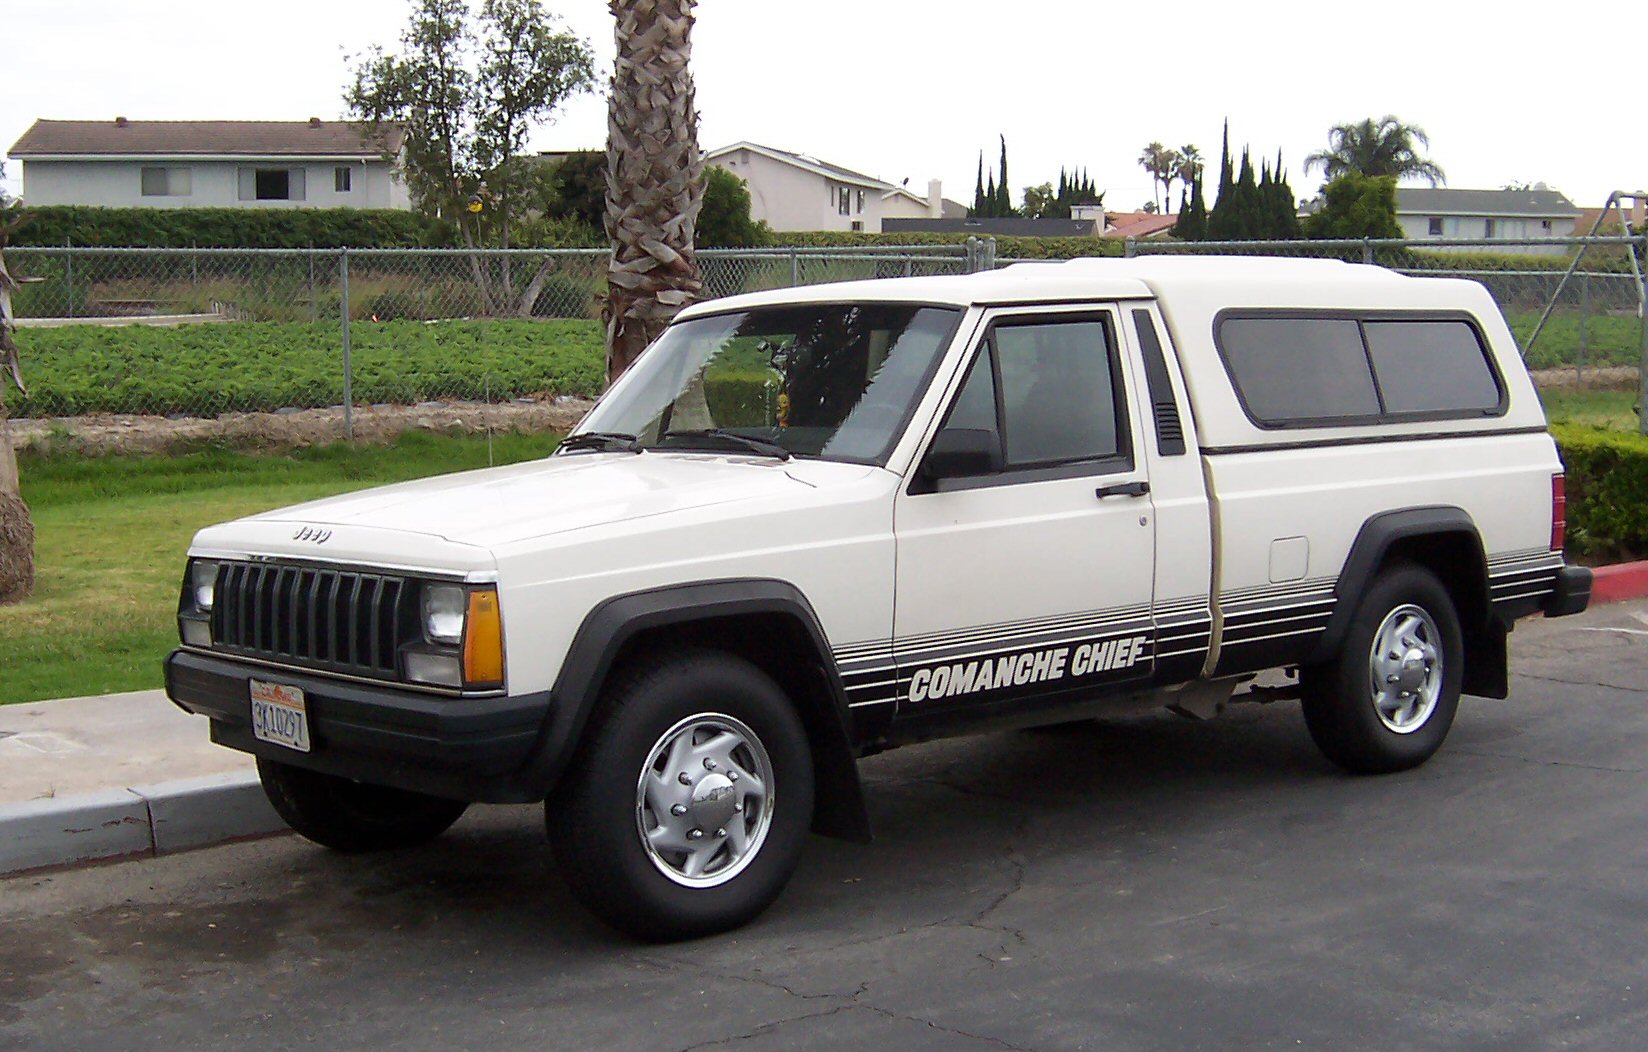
pixel 685 811
pixel 354 816
pixel 1387 700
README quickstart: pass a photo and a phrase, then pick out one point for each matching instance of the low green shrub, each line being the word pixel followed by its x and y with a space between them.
pixel 1006 247
pixel 227 227
pixel 1607 491
pixel 262 366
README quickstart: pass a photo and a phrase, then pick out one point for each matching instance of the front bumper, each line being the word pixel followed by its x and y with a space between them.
pixel 1572 594
pixel 477 749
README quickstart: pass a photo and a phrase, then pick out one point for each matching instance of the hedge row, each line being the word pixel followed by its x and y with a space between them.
pixel 1006 247
pixel 1607 491
pixel 226 227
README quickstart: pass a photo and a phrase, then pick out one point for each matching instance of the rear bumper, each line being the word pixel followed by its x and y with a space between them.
pixel 475 749
pixel 1572 594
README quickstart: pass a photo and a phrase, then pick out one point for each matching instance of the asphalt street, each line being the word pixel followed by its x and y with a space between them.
pixel 1141 883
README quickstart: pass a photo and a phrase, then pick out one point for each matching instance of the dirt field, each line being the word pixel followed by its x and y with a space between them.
pixel 131 433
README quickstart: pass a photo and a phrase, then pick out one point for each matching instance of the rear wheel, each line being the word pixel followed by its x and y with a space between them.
pixel 354 816
pixel 685 811
pixel 1387 700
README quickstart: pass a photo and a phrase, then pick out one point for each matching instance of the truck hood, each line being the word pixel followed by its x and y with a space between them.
pixel 498 506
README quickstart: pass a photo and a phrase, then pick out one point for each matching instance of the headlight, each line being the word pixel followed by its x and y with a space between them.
pixel 444 607
pixel 203 583
pixel 463 638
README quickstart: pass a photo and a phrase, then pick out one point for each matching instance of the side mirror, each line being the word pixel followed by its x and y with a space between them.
pixel 961 452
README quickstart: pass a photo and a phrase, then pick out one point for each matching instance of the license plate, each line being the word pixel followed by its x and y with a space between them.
pixel 279 715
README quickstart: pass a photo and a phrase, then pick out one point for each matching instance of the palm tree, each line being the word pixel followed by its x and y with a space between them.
pixel 1382 147
pixel 1188 165
pixel 16 528
pixel 1154 160
pixel 655 176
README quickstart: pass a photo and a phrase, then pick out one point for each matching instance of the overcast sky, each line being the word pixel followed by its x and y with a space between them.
pixel 913 89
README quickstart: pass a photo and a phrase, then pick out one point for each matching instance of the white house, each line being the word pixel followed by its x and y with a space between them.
pixel 1509 215
pixel 210 164
pixel 791 191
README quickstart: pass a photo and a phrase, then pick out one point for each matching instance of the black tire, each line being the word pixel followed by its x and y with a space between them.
pixel 597 817
pixel 1341 706
pixel 354 816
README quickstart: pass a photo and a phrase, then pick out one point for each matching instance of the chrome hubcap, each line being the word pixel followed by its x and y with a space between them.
pixel 1405 669
pixel 704 802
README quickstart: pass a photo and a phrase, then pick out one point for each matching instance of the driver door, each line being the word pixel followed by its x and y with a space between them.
pixel 1029 586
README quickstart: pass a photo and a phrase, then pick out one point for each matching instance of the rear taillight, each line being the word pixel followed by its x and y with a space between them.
pixel 1559 511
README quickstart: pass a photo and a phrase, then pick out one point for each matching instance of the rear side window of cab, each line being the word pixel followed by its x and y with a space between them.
pixel 1294 369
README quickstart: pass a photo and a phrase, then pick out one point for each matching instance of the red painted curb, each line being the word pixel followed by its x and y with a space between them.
pixel 1613 584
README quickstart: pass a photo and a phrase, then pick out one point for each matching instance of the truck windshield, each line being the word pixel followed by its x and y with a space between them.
pixel 835 381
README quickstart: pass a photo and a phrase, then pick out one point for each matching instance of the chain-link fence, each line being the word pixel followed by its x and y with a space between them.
pixel 212 332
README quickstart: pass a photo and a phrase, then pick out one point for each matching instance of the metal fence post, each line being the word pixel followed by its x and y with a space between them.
pixel 314 305
pixel 68 274
pixel 1584 317
pixel 795 268
pixel 1130 248
pixel 1367 252
pixel 989 259
pixel 1642 313
pixel 348 372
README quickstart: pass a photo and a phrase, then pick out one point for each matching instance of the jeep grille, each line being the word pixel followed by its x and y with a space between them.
pixel 343 621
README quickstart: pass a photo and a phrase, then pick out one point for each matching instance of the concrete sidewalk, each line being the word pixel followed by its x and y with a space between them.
pixel 83 779
pixel 109 777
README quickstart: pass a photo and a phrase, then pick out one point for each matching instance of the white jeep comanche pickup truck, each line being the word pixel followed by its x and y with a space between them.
pixel 815 523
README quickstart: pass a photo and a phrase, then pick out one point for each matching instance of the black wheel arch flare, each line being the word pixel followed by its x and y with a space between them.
pixel 1445 540
pixel 619 622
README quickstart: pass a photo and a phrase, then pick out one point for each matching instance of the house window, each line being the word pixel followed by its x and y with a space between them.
pixel 858 226
pixel 861 200
pixel 1487 228
pixel 274 184
pixel 271 184
pixel 1436 226
pixel 844 201
pixel 165 182
pixel 341 177
pixel 1545 225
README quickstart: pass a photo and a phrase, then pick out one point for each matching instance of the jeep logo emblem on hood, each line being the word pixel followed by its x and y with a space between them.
pixel 312 533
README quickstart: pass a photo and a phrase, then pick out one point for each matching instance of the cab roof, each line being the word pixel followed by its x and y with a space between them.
pixel 1092 279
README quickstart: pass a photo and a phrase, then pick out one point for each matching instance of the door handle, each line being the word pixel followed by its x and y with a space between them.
pixel 1123 489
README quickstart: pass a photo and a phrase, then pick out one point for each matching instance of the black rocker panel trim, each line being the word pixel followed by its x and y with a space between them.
pixel 840 810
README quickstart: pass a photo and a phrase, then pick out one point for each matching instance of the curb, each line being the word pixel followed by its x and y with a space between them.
pixel 1617 583
pixel 138 821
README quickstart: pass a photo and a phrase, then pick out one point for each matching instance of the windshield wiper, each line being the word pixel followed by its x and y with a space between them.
pixel 605 440
pixel 732 438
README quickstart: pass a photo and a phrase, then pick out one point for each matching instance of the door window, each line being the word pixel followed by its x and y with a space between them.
pixel 1049 390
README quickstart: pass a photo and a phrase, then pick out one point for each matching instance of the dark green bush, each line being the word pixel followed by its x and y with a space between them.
pixel 227 227
pixel 1607 491
pixel 1006 247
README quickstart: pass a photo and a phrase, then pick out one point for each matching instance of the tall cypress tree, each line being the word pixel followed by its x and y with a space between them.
pixel 1221 223
pixel 1192 225
pixel 991 200
pixel 1004 199
pixel 978 193
pixel 1246 201
pixel 1284 209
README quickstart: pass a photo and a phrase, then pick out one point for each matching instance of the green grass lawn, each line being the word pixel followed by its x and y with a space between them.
pixel 1611 410
pixel 111 532
pixel 1610 339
